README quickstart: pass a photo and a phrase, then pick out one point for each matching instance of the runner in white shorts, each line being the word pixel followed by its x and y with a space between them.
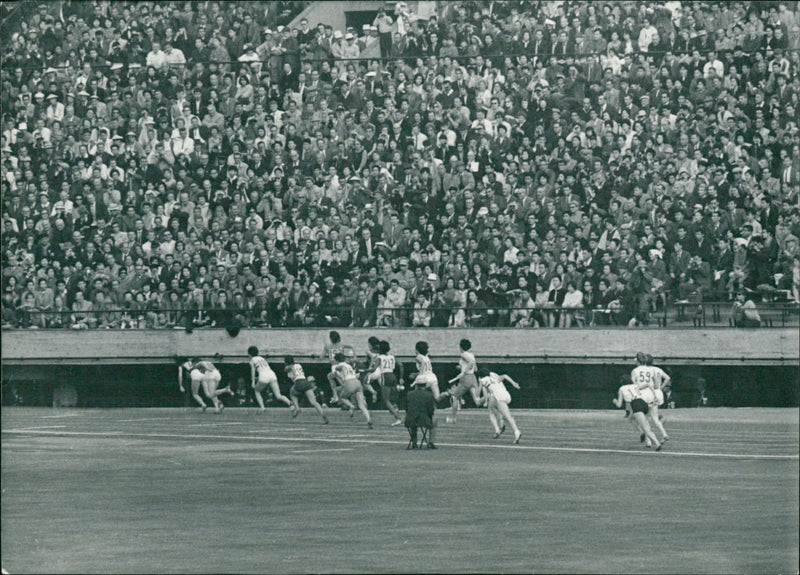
pixel 261 375
pixel 425 375
pixel 301 385
pixel 647 377
pixel 196 378
pixel 205 373
pixel 496 397
pixel 350 387
pixel 630 397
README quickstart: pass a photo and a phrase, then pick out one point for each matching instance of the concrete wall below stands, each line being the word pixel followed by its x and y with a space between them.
pixel 587 346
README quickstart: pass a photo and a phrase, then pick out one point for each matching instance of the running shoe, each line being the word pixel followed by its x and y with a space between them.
pixel 641 438
pixel 325 420
pixel 516 438
pixel 397 422
pixel 369 424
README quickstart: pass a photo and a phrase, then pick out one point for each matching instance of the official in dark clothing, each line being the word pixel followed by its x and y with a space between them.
pixel 419 413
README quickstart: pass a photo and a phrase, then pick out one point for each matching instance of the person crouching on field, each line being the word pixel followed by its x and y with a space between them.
pixel 419 413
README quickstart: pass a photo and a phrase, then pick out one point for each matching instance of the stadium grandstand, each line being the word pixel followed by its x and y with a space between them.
pixel 422 164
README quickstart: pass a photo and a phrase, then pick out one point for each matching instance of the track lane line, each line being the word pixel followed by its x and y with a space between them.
pixel 393 442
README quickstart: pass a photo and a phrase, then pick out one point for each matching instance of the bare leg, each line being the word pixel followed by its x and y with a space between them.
pixel 276 391
pixel 386 394
pixel 455 397
pixel 260 400
pixel 210 389
pixel 315 404
pixel 641 419
pixel 476 394
pixel 348 404
pixel 362 405
pixel 495 424
pixel 211 385
pixel 334 388
pixel 657 422
pixel 371 390
pixel 506 413
pixel 295 402
pixel 196 393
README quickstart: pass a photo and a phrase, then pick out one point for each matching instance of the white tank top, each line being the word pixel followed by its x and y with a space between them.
pixel 345 371
pixel 493 384
pixel 644 376
pixel 424 364
pixel 261 365
pixel 295 372
pixel 387 363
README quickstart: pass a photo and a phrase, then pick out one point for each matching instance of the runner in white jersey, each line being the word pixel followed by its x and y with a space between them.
pixel 206 374
pixel 385 375
pixel 211 380
pixel 496 397
pixel 637 400
pixel 647 378
pixel 425 375
pixel 301 384
pixel 467 381
pixel 196 377
pixel 373 351
pixel 261 376
pixel 350 387
pixel 333 346
pixel 660 381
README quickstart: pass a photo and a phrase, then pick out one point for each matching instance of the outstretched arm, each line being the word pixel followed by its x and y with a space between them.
pixel 511 381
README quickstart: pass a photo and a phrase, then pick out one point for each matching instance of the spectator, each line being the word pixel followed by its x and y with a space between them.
pixel 620 137
pixel 744 312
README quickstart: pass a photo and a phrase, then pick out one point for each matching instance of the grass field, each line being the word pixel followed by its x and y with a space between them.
pixel 173 490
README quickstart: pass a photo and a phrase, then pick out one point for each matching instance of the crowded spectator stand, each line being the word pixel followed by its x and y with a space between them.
pixel 525 164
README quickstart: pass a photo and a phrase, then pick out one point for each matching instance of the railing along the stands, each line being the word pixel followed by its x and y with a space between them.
pixel 674 314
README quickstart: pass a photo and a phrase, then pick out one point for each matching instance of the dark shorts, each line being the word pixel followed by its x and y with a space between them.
pixel 302 386
pixel 639 405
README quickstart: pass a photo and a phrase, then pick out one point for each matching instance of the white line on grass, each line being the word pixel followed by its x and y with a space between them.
pixel 215 423
pixel 322 450
pixel 387 442
pixel 146 419
pixel 45 427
